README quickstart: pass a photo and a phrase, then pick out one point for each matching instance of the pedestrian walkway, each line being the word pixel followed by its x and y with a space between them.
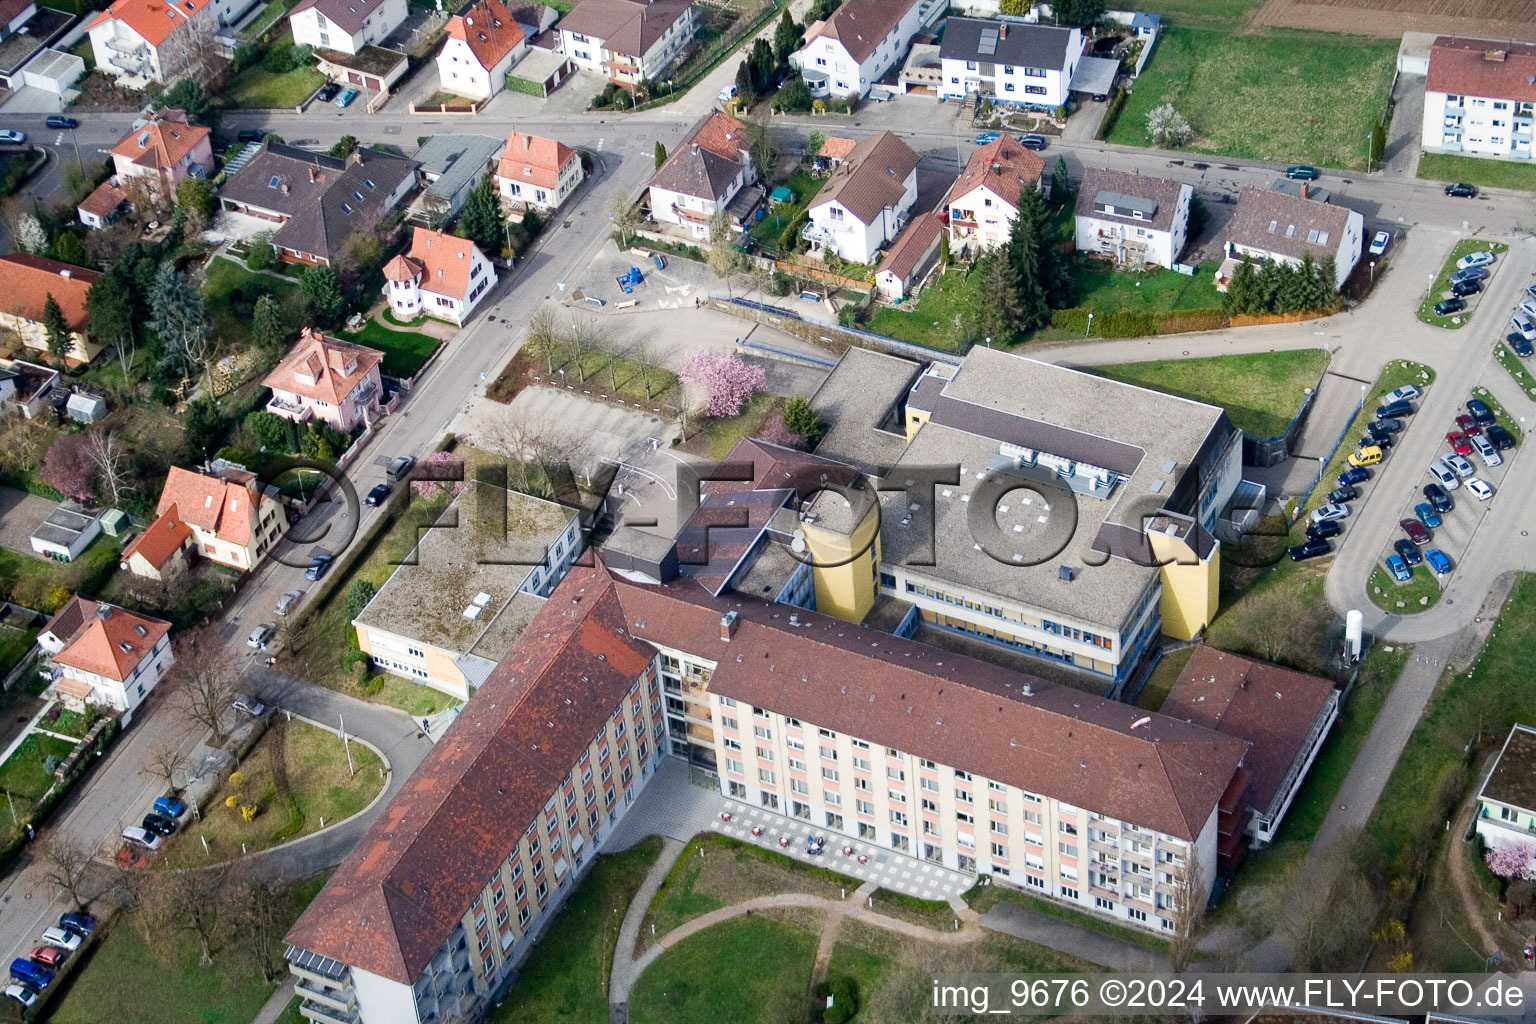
pixel 624 971
pixel 272 1010
pixel 1074 939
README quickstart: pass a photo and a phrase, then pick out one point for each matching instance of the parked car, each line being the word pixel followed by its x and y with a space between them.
pixel 12 136
pixel 1354 475
pixel 1459 443
pixel 1482 490
pixel 317 567
pixel 286 603
pixel 1439 500
pixel 1415 530
pixel 1327 513
pixel 29 973
pixel 1313 547
pixel 1394 408
pixel 1389 424
pixel 250 135
pixel 21 994
pixel 60 121
pixel 1487 451
pixel 1445 307
pixel 726 93
pixel 48 956
pixel 1036 142
pixel 1402 394
pixel 1520 345
pixel 249 706
pixel 1380 440
pixel 1408 550
pixel 63 938
pixel 1437 561
pixel 1467 424
pixel 986 137
pixel 167 805
pixel 1366 456
pixel 1461 190
pixel 159 824
pixel 1524 326
pixel 1398 568
pixel 1427 514
pixel 378 494
pixel 1347 492
pixel 398 468
pixel 1501 438
pixel 328 91
pixel 345 99
pixel 1469 274
pixel 1327 529
pixel 1302 172
pixel 1444 476
pixel 1460 466
pixel 1379 243
pixel 1461 289
pixel 1481 258
pixel 141 837
pixel 261 634
pixel 1528 307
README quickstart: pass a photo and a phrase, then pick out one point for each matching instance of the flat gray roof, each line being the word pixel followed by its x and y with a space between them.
pixel 1095 75
pixel 459 159
pixel 855 399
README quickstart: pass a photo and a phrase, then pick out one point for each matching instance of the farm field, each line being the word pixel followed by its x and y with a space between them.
pixel 1389 19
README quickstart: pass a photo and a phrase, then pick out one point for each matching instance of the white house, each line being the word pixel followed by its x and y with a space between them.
pixel 443 276
pixel 345 26
pixel 106 655
pixel 704 173
pixel 983 201
pixel 855 47
pixel 1284 228
pixel 541 173
pixel 154 41
pixel 626 41
pixel 482 45
pixel 865 202
pixel 1132 218
pixel 1506 805
pixel 1480 98
pixel 1008 61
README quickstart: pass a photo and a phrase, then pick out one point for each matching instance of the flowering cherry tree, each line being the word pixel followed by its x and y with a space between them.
pixel 433 488
pixel 726 380
pixel 1510 860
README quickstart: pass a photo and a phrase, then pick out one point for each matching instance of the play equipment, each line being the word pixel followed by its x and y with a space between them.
pixel 630 281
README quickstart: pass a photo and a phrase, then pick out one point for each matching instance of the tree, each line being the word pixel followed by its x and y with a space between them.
pixel 114 466
pixel 30 235
pixel 999 315
pixel 195 194
pixel 481 220
pixel 762 63
pixel 267 327
pixel 1378 143
pixel 1030 252
pixel 68 469
pixel 111 307
pixel 623 213
pixel 1078 13
pixel 344 147
pixel 1241 293
pixel 67 248
pixel 746 95
pixel 165 762
pixel 270 429
pixel 320 287
pixel 358 596
pixel 1328 276
pixel 57 328
pixel 66 865
pixel 1510 860
pixel 815 142
pixel 1199 216
pixel 1061 181
pixel 652 372
pixel 208 684
pixel 179 320
pixel 262 918
pixel 760 148
pixel 190 901
pixel 795 98
pixel 1169 129
pixel 801 419
pixel 786 39
pixel 661 153
pixel 1325 908
pixel 261 255
pixel 1015 8
pixel 1187 906
pixel 362 252
pixel 188 95
pixel 200 428
pixel 726 380
pixel 723 257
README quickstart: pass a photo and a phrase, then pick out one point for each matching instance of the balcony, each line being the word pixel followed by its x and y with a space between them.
pixel 338 999
pixel 322 1014
pixel 818 235
pixel 289 410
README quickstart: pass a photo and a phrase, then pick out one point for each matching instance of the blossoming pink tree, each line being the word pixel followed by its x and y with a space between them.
pixel 433 488
pixel 1510 860
pixel 726 380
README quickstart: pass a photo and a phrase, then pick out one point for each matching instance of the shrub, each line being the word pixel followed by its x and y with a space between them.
pixel 374 686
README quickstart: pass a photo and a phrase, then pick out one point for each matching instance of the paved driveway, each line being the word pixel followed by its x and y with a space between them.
pixel 20 514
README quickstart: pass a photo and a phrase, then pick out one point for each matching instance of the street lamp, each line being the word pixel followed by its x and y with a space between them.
pixel 1090 326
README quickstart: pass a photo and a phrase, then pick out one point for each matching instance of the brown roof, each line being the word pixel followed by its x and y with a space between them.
pixel 442 261
pixel 347 15
pixel 29 280
pixel 1477 67
pixel 396 898
pixel 109 640
pixel 1003 166
pixel 707 160
pixel 1276 222
pixel 1273 708
pixel 860 25
pixel 1160 191
pixel 532 159
pixel 627 27
pixel 104 200
pixel 487 27
pixel 163 142
pixel 153 20
pixel 913 244
pixel 403 268
pixel 872 177
pixel 210 503
pixel 322 369
pixel 1513 780
pixel 161 539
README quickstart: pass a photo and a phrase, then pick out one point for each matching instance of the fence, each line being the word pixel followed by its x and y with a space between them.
pixel 749 347
pixel 1322 463
pixel 833 337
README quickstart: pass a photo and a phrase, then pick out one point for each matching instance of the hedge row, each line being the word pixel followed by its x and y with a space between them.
pixel 1136 324
pixel 524 85
pixel 1116 105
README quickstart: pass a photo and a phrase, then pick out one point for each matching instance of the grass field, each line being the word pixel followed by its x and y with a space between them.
pixel 1419 594
pixel 772 225
pixel 404 351
pixel 1281 96
pixel 939 317
pixel 1260 392
pixel 748 970
pixel 1160 683
pixel 1203 13
pixel 1098 286
pixel 230 291
pixel 24 773
pixel 1442 286
pixel 1448 167
pixel 257 88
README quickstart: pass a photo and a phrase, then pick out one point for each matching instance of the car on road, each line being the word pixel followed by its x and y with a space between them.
pixel 1035 142
pixel 1427 514
pixel 1311 548
pixel 1367 456
pixel 62 937
pixel 1502 439
pixel 1393 408
pixel 1439 500
pixel 1408 550
pixel 171 808
pixel 377 495
pixel 286 603
pixel 1524 326
pixel 1487 451
pixel 20 994
pixel 1339 495
pixel 1445 307
pixel 345 99
pixel 1461 190
pixel 159 824
pixel 1481 258
pixel 1437 561
pixel 1399 568
pixel 1460 466
pixel 142 837
pixel 1328 513
pixel 48 956
pixel 1402 394
pixel 1481 489
pixel 1459 443
pixel 986 137
pixel 317 567
pixel 249 706
pixel 12 136
pixel 327 92
pixel 1354 475
pixel 261 634
pixel 1470 274
pixel 1302 172
pixel 398 468
pixel 1415 530
pixel 1328 529
pixel 1520 345
pixel 29 973
pixel 1468 424
pixel 1379 243
pixel 60 121
pixel 1444 476
pixel 245 135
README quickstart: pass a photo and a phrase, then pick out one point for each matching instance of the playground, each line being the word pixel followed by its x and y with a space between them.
pixel 638 278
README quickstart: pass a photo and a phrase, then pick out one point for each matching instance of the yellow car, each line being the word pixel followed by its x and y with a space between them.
pixel 1366 456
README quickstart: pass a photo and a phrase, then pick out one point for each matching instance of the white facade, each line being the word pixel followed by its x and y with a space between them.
pixel 1477 125
pixel 125 695
pixel 981 219
pixel 1346 255
pixel 692 212
pixel 830 70
pixel 1127 242
pixel 410 299
pixel 311 27
pixel 590 52
pixel 460 72
pixel 1011 83
pixel 835 226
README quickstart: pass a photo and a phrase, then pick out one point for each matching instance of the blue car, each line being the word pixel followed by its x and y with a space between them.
pixel 169 806
pixel 80 924
pixel 346 97
pixel 29 973
pixel 59 121
pixel 1354 475
pixel 1437 561
pixel 1399 569
pixel 986 137
pixel 1427 515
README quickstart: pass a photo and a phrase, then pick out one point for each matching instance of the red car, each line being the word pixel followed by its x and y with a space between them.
pixel 48 956
pixel 1415 531
pixel 1468 425
pixel 1459 443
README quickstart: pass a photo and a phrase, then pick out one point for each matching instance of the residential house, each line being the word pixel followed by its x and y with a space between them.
pixel 482 45
pixel 540 173
pixel 856 46
pixel 326 380
pixel 1003 60
pixel 66 533
pixel 316 201
pixel 628 41
pixel 103 206
pixel 162 551
pixel 106 655
pixel 29 282
pixel 443 276
pixel 488 575
pixel 984 199
pixel 231 519
pixel 865 201
pixel 1134 219
pixel 706 172
pixel 346 26
pixel 25 387
pixel 1270 225
pixel 1480 98
pixel 166 149
pixel 1506 805
pixel 450 166
pixel 910 256
pixel 159 40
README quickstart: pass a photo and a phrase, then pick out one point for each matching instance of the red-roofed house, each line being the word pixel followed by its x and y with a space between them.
pixel 1480 98
pixel 482 45
pixel 706 171
pixel 29 281
pixel 157 40
pixel 328 380
pixel 166 149
pixel 160 552
pixel 539 172
pixel 231 519
pixel 102 206
pixel 984 199
pixel 443 276
pixel 854 48
pixel 106 655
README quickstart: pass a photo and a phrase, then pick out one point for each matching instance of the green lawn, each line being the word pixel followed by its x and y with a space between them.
pixel 1442 286
pixel 1260 392
pixel 1098 286
pixel 1515 368
pixel 405 352
pixel 257 88
pixel 602 371
pixel 14 645
pixel 25 772
pixel 1227 14
pixel 713 436
pixel 1420 593
pixel 1277 95
pixel 230 291
pixel 748 970
pixel 128 981
pixel 44 584
pixel 1501 415
pixel 566 979
pixel 939 317
pixel 1448 167
pixel 1160 683
pixel 989 896
pixel 768 229
pixel 269 16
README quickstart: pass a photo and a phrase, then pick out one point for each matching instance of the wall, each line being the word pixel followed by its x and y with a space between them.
pixel 832 337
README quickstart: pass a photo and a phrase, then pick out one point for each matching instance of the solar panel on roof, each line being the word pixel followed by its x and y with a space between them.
pixel 988 44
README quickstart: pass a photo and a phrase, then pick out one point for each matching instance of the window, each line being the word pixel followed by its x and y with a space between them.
pixel 834 821
pixel 799 786
pixel 899 818
pixel 1000 851
pixel 963 796
pixel 1000 828
pixel 831 799
pixel 830 774
pixel 969 819
pixel 734 766
pixel 762 732
pixel 1069 892
pixel 864 807
pixel 1033 90
pixel 765 776
pixel 1067 849
pixel 829 753
pixel 764 754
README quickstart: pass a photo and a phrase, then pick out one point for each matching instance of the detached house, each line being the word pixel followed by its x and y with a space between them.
pixel 166 149
pixel 105 655
pixel 707 171
pixel 1006 61
pixel 541 173
pixel 626 41
pixel 984 200
pixel 1480 98
pixel 156 40
pixel 29 282
pixel 1506 805
pixel 330 381
pixel 1132 218
pixel 346 26
pixel 1269 225
pixel 865 201
pixel 227 518
pixel 855 47
pixel 443 276
pixel 482 45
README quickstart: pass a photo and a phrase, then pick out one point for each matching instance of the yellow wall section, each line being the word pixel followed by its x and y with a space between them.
pixel 915 421
pixel 1190 591
pixel 845 588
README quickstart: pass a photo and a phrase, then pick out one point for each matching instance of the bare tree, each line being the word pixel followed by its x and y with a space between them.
pixel 723 257
pixel 546 332
pixel 110 456
pixel 191 901
pixel 539 451
pixel 208 682
pixel 1188 901
pixel 148 202
pixel 584 341
pixel 649 364
pixel 624 214
pixel 263 919
pixel 165 762
pixel 1325 909
pixel 66 864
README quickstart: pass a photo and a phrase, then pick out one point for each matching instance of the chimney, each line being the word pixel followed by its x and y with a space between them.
pixel 311 175
pixel 356 159
pixel 1495 55
pixel 103 612
pixel 728 626
pixel 527 142
pixel 1306 193
pixel 1002 30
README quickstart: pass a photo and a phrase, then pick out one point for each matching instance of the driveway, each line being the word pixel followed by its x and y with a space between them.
pixel 20 514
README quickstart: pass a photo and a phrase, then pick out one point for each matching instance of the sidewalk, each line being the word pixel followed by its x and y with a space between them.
pixel 272 1010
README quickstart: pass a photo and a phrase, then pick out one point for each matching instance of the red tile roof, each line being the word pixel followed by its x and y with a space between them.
pixel 212 504
pixel 488 29
pixel 442 261
pixel 104 201
pixel 913 244
pixel 29 280
pixel 153 20
pixel 861 25
pixel 161 539
pixel 321 369
pixel 110 641
pixel 163 142
pixel 836 147
pixel 532 159
pixel 1477 67
pixel 1003 166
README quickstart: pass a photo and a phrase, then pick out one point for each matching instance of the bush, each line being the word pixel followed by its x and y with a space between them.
pixel 358 596
pixel 1116 104
pixel 374 686
pixel 780 284
pixel 795 97
pixel 1136 324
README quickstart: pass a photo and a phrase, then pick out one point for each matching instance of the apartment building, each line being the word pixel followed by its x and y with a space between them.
pixel 1132 218
pixel 1004 60
pixel 984 199
pixel 845 55
pixel 1506 805
pixel 1273 225
pixel 145 41
pixel 1480 98
pixel 627 41
pixel 709 170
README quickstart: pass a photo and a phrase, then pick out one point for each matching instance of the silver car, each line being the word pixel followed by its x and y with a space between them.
pixel 250 706
pixel 286 603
